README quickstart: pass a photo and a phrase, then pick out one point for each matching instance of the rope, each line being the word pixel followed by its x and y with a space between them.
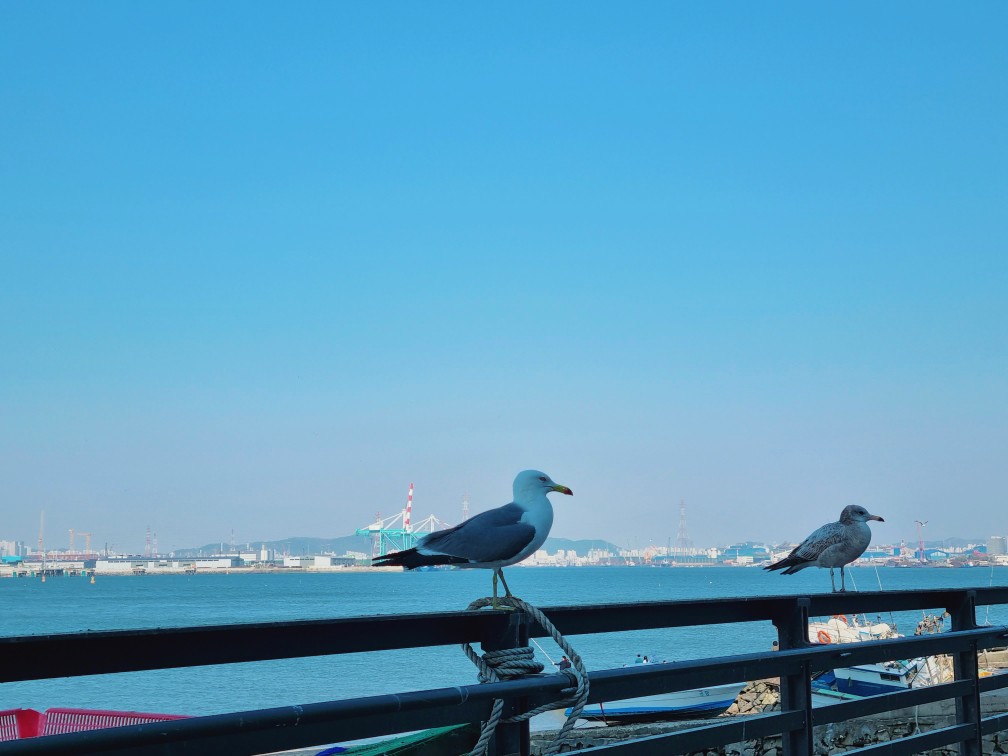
pixel 511 663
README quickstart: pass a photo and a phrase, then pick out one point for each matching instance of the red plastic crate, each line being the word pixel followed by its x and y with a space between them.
pixel 20 723
pixel 28 723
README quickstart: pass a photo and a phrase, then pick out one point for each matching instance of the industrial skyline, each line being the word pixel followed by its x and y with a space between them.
pixel 391 529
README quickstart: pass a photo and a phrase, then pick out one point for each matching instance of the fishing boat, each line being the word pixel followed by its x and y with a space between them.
pixel 875 679
pixel 840 629
pixel 684 704
pixel 861 680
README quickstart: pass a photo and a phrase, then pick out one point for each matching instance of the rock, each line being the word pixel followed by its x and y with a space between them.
pixel 866 734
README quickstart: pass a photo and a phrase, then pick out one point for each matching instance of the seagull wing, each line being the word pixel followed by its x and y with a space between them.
pixel 820 540
pixel 490 536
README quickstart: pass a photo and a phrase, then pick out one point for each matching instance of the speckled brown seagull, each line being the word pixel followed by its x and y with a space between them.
pixel 834 545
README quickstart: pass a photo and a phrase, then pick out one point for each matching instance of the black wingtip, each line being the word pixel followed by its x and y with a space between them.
pixel 410 559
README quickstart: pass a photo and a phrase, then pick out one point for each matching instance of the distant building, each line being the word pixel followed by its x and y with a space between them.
pixel 746 553
pixel 879 553
pixel 997 545
pixel 145 565
pixel 317 562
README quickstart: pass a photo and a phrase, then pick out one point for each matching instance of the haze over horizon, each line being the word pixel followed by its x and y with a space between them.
pixel 262 269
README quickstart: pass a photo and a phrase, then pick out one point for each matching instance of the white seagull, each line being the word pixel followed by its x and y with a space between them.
pixel 493 539
pixel 834 545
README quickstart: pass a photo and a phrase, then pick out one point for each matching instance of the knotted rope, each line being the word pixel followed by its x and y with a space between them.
pixel 511 663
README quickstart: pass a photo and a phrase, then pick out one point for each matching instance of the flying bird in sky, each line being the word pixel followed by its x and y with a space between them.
pixel 493 539
pixel 834 545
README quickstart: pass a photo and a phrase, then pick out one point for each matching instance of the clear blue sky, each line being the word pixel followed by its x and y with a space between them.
pixel 265 264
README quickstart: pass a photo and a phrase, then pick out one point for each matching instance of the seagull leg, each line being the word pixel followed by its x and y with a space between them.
pixel 843 584
pixel 493 601
pixel 832 580
pixel 507 591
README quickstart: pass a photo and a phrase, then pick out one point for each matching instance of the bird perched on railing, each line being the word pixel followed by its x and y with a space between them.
pixel 493 539
pixel 834 545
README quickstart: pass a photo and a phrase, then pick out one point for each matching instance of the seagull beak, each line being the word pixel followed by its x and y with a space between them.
pixel 562 489
pixel 876 517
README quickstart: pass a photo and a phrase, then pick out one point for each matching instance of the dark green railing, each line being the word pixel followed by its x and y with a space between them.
pixel 293 726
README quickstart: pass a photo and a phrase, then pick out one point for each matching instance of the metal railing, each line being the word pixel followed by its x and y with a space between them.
pixel 296 726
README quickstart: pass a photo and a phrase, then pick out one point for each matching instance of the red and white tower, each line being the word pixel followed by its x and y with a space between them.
pixel 407 523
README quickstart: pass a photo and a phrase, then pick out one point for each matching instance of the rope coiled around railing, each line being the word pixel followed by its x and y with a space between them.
pixel 511 663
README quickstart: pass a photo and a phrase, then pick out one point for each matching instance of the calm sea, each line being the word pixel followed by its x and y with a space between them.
pixel 28 606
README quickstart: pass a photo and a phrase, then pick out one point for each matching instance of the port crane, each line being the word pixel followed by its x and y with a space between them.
pixel 398 532
pixel 87 545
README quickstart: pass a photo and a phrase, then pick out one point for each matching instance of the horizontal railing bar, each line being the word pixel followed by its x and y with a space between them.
pixel 866 602
pixel 920 743
pixel 685 675
pixel 831 656
pixel 996 723
pixel 707 736
pixel 311 724
pixel 74 654
pixel 650 615
pixel 279 728
pixel 651 679
pixel 883 702
pixel 993 682
pixel 37 657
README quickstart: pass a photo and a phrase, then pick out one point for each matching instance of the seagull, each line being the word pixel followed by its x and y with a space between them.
pixel 834 545
pixel 493 539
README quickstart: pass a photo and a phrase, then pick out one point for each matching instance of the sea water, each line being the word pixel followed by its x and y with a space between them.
pixel 73 604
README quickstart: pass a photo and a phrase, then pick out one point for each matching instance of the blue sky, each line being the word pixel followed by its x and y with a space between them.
pixel 263 265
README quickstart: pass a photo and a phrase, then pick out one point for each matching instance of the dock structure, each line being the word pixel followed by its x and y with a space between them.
pixel 292 725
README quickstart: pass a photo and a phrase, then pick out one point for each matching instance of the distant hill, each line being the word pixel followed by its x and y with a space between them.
pixel 341 544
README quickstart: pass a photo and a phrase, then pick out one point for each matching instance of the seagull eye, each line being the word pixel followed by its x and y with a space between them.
pixel 542 478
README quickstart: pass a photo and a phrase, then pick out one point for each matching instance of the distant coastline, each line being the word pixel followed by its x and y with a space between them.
pixel 77 570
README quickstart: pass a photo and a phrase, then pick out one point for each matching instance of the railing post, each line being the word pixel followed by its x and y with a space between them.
pixel 964 663
pixel 796 689
pixel 511 739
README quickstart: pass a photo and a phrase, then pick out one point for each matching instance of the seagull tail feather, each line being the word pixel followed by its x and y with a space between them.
pixel 789 564
pixel 410 559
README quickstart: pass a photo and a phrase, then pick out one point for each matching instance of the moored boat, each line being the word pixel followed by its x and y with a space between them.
pixel 685 704
pixel 861 680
